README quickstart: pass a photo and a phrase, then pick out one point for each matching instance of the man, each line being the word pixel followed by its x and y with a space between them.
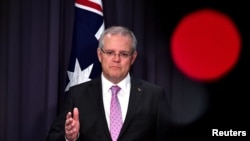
pixel 87 113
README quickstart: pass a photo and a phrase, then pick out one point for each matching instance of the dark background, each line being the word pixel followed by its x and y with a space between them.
pixel 35 43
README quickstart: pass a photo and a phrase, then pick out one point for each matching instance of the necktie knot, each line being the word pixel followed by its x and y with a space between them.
pixel 115 89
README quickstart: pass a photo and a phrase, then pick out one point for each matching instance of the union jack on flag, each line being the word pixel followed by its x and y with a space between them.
pixel 88 26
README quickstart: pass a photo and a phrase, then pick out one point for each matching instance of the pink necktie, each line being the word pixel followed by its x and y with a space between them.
pixel 115 114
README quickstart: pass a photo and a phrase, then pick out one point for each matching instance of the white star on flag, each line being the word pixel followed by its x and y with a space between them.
pixel 78 76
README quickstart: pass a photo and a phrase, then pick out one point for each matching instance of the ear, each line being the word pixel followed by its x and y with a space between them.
pixel 99 54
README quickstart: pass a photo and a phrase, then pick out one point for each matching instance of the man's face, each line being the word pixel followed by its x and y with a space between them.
pixel 116 57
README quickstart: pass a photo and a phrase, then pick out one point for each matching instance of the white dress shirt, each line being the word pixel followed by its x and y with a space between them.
pixel 123 96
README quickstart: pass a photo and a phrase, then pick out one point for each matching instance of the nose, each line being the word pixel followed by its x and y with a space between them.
pixel 116 57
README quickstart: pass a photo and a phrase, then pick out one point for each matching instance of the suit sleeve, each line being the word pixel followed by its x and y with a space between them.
pixel 57 132
pixel 163 117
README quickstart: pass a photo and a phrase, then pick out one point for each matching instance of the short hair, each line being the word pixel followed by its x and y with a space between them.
pixel 113 30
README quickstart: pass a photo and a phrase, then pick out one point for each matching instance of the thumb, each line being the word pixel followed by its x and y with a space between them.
pixel 76 114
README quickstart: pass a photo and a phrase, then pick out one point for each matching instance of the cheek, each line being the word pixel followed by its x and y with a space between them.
pixel 105 62
pixel 127 65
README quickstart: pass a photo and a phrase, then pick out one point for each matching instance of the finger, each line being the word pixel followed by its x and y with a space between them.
pixel 68 119
pixel 69 115
pixel 68 122
pixel 76 114
pixel 71 131
pixel 68 126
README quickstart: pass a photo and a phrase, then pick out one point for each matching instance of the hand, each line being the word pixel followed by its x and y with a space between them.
pixel 72 125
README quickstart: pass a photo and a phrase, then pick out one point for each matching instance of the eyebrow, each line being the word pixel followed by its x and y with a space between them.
pixel 114 50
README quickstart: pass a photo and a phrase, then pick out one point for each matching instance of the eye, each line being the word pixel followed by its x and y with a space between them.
pixel 109 52
pixel 124 54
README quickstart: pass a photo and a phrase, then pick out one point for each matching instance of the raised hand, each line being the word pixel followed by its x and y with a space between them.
pixel 72 125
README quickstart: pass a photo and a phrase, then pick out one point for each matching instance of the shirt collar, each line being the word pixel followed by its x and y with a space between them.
pixel 106 84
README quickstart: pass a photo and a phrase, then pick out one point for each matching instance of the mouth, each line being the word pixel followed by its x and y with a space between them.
pixel 115 67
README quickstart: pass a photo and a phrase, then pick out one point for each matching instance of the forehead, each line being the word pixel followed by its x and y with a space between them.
pixel 118 35
pixel 118 41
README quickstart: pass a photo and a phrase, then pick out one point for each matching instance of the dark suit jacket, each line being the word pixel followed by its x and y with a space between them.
pixel 146 118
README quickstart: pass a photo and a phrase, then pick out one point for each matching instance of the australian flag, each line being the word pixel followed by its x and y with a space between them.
pixel 88 25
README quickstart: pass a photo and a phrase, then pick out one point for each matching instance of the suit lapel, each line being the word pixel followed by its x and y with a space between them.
pixel 95 90
pixel 134 102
